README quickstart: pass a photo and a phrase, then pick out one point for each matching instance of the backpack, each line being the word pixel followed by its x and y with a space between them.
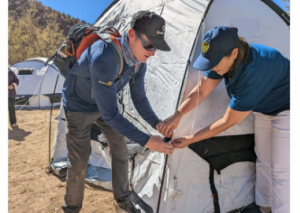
pixel 79 38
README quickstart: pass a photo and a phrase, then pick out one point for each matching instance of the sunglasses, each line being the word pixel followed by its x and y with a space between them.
pixel 147 46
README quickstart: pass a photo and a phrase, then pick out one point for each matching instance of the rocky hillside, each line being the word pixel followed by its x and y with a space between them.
pixel 35 30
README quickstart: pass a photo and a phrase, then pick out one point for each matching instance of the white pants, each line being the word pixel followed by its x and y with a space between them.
pixel 272 147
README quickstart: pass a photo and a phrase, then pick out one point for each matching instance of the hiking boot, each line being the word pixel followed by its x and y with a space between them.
pixel 139 203
pixel 126 208
pixel 134 205
pixel 265 209
pixel 14 125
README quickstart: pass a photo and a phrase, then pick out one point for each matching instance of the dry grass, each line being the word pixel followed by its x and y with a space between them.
pixel 31 189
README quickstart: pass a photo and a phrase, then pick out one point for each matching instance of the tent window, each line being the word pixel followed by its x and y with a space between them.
pixel 25 71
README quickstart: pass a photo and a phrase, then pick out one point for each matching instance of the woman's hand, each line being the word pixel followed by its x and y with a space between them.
pixel 231 117
pixel 167 126
pixel 183 141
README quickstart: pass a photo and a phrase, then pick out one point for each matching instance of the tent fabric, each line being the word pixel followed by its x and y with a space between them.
pixel 99 166
pixel 169 79
pixel 98 171
pixel 283 15
pixel 36 90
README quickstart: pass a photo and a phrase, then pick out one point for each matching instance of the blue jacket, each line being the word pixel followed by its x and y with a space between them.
pixel 99 65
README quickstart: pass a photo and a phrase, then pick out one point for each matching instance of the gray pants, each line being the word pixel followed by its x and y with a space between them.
pixel 79 149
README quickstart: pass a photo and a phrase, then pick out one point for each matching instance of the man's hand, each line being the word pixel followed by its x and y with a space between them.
pixel 167 126
pixel 10 87
pixel 183 141
pixel 156 143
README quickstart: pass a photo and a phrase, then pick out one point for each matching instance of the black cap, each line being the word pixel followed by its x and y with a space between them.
pixel 153 26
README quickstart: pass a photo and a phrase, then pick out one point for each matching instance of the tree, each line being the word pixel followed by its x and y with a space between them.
pixel 28 40
pixel 21 39
pixel 287 6
pixel 35 30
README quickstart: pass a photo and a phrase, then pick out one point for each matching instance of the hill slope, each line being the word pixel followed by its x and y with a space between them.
pixel 35 30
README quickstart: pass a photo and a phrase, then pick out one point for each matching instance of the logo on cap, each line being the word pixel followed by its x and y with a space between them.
pixel 161 32
pixel 205 46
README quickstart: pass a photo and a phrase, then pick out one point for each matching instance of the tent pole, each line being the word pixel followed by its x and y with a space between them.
pixel 40 90
pixel 162 183
pixel 192 54
pixel 166 140
pixel 51 120
pixel 179 96
pixel 178 100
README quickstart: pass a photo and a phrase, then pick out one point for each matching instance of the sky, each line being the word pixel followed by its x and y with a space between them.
pixel 280 3
pixel 90 10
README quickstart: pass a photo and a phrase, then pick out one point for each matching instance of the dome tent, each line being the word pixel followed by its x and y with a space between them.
pixel 169 78
pixel 37 82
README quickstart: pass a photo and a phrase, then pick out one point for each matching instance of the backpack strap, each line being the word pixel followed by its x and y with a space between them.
pixel 136 69
pixel 108 35
pixel 213 189
pixel 50 59
pixel 85 43
pixel 116 47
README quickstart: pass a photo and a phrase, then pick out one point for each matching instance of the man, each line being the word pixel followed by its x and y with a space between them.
pixel 13 83
pixel 94 99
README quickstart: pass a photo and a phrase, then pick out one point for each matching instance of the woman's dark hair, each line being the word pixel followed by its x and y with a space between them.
pixel 242 56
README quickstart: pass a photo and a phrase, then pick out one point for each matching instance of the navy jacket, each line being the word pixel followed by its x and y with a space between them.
pixel 99 66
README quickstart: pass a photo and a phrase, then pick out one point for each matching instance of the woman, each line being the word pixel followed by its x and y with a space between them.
pixel 257 80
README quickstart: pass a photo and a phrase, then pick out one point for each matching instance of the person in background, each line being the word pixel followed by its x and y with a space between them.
pixel 257 80
pixel 13 83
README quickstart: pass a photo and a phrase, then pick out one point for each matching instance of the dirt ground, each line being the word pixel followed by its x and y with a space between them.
pixel 30 188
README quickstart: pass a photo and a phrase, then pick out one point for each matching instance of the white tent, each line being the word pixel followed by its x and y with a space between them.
pixel 170 77
pixel 37 83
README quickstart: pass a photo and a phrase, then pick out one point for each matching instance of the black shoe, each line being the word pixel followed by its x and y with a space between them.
pixel 134 205
pixel 126 208
pixel 139 203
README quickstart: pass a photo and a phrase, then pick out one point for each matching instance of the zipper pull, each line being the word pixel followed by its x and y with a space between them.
pixel 107 84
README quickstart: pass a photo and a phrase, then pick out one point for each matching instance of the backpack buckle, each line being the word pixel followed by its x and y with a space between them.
pixel 69 48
